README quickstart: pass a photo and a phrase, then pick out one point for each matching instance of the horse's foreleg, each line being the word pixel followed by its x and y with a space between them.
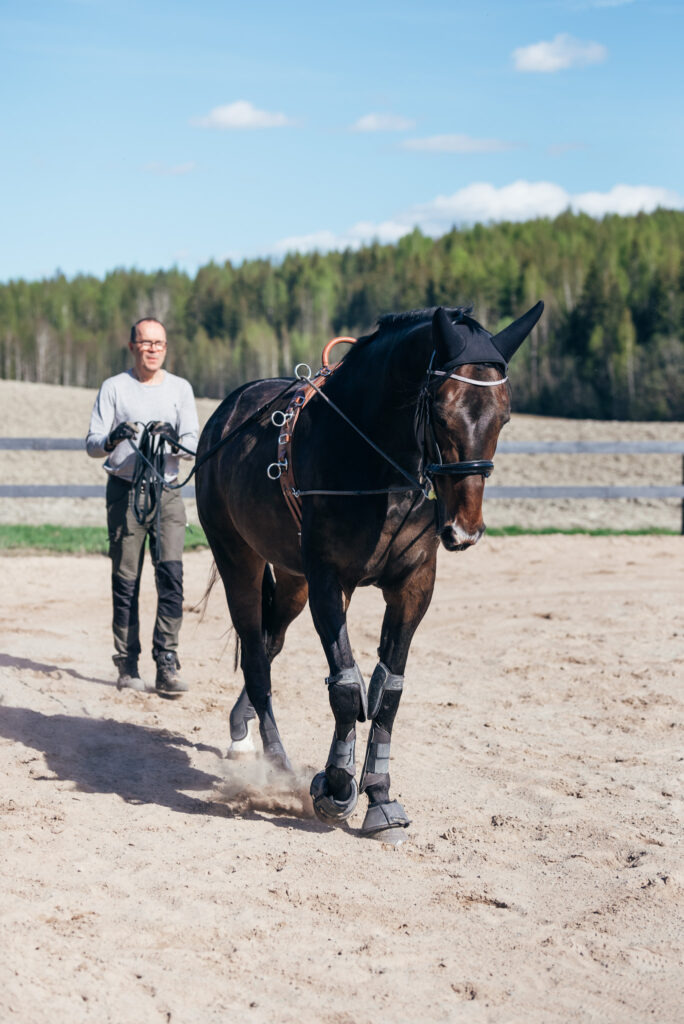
pixel 406 606
pixel 334 790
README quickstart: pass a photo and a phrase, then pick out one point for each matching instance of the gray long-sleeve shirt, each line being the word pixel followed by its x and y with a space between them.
pixel 124 397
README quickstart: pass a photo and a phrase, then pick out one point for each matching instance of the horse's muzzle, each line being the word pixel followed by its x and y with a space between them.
pixel 455 538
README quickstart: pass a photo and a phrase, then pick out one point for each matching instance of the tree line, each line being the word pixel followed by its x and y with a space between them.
pixel 609 346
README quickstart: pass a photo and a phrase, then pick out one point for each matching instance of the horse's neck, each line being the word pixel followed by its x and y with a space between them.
pixel 380 389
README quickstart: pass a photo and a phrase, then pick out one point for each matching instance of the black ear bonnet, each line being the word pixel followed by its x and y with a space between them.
pixel 459 339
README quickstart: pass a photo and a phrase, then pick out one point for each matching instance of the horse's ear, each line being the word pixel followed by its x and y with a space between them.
pixel 448 342
pixel 511 338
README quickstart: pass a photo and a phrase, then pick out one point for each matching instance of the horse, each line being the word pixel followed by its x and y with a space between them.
pixel 387 460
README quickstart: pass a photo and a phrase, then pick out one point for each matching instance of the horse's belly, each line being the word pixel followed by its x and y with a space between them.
pixel 262 519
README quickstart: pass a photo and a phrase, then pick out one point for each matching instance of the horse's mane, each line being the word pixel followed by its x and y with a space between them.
pixel 417 315
pixel 396 322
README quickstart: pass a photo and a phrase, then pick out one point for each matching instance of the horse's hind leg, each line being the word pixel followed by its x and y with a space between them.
pixel 242 572
pixel 242 714
pixel 282 599
pixel 281 607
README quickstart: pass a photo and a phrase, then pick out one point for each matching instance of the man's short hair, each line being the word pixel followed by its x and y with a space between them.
pixel 143 320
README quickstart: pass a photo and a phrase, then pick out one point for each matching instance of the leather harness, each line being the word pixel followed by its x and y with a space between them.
pixel 289 418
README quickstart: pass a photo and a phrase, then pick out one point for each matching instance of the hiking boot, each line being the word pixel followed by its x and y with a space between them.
pixel 129 677
pixel 168 683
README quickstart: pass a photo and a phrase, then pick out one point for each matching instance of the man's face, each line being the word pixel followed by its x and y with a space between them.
pixel 149 348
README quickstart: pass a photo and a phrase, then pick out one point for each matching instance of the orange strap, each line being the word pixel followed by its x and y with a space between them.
pixel 325 357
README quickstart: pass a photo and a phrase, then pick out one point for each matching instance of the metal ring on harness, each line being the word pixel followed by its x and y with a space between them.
pixel 280 418
pixel 274 471
pixel 325 357
pixel 303 376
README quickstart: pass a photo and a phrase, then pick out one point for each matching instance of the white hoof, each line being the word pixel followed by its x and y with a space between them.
pixel 238 748
pixel 390 836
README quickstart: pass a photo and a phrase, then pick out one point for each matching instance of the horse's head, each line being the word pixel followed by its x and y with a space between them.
pixel 470 403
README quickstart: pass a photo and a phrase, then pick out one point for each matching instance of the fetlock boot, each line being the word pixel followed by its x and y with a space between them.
pixel 129 677
pixel 168 683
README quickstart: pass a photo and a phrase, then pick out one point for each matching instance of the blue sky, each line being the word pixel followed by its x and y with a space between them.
pixel 157 134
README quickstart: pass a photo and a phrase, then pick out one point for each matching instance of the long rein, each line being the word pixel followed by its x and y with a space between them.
pixel 477 467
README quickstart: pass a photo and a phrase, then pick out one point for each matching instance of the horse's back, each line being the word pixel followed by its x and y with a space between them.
pixel 236 408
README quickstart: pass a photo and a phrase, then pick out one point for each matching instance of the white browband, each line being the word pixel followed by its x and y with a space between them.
pixel 470 380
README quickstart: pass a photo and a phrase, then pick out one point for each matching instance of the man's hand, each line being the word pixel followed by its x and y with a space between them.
pixel 124 432
pixel 162 427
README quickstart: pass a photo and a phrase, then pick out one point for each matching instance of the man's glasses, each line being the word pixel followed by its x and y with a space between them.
pixel 150 345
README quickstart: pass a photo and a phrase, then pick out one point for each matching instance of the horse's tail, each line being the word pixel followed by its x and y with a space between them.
pixel 268 589
pixel 201 605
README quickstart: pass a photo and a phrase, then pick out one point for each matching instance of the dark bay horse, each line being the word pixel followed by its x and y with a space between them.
pixel 403 433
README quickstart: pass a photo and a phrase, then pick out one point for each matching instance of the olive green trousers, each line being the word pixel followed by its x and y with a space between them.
pixel 127 551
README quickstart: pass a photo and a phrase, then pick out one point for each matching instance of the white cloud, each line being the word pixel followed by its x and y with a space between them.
pixel 626 199
pixel 164 169
pixel 482 202
pixel 382 123
pixel 356 236
pixel 457 144
pixel 239 115
pixel 560 53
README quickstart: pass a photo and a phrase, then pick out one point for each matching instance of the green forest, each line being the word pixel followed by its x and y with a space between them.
pixel 609 346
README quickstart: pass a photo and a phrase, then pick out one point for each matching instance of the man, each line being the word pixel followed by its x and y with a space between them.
pixel 145 395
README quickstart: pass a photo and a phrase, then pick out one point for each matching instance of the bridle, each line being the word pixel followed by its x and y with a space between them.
pixel 473 467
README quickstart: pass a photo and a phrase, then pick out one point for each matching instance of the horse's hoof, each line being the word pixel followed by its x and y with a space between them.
pixel 245 745
pixel 382 820
pixel 326 808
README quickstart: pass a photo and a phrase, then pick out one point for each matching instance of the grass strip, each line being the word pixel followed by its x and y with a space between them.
pixel 74 540
pixel 92 540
